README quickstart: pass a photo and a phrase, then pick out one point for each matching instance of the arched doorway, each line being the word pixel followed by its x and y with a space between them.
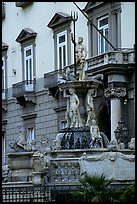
pixel 103 119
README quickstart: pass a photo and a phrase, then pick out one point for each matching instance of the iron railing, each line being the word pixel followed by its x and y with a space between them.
pixel 50 193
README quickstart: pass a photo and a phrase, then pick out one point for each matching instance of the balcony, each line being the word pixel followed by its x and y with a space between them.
pixel 22 4
pixel 3 10
pixel 110 60
pixel 51 80
pixel 24 91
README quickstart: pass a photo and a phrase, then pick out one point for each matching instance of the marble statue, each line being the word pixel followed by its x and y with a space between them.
pixel 21 143
pixel 112 146
pixel 95 134
pixel 131 144
pixel 57 142
pixel 90 107
pixel 22 140
pixel 81 54
pixel 72 113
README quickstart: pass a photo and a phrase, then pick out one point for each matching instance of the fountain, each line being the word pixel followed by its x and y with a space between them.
pixel 80 93
pixel 81 146
pixel 81 143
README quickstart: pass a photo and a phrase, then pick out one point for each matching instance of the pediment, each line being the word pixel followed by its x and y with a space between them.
pixel 91 5
pixel 26 34
pixel 58 19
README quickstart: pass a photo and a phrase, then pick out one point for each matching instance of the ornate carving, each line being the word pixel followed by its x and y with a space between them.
pixel 131 144
pixel 112 156
pixel 95 134
pixel 115 92
pixel 80 54
pixel 90 106
pixel 73 114
pixel 116 11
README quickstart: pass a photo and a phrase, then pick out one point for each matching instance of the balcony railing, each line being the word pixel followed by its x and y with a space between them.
pixel 22 4
pixel 51 79
pixel 123 56
pixel 23 87
pixel 3 10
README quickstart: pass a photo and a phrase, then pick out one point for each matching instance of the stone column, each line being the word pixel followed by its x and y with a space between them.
pixel 115 115
pixel 115 95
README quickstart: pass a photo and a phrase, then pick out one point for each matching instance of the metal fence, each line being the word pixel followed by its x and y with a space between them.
pixel 49 194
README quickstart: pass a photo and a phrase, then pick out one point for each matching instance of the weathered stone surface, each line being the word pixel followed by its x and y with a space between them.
pixel 115 165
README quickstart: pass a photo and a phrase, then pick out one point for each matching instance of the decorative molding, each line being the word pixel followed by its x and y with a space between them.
pixel 112 156
pixel 26 34
pixel 58 19
pixel 119 10
pixel 115 92
pixel 29 116
pixel 30 98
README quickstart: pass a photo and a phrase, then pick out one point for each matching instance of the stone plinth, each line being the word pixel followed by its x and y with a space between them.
pixel 37 178
pixel 20 166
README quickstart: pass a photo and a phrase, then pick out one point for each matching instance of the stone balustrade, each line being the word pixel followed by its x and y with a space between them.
pixel 124 56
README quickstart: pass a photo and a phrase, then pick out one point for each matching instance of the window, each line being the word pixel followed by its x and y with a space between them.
pixel 28 68
pixel 3 78
pixel 103 27
pixel 28 64
pixel 3 149
pixel 30 134
pixel 62 49
pixel 27 40
pixel 60 24
pixel 106 16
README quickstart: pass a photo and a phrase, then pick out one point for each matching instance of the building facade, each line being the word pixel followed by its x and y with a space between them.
pixel 37 46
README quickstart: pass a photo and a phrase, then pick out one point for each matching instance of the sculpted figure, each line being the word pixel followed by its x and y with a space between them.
pixel 95 134
pixel 131 144
pixel 81 54
pixel 21 141
pixel 90 107
pixel 72 114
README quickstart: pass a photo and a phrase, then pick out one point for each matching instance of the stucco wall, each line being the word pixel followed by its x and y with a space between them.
pixel 36 16
pixel 127 24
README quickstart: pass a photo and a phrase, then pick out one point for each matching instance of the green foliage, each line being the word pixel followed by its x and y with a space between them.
pixel 96 188
pixel 128 194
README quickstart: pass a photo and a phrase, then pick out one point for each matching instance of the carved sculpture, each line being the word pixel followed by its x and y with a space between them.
pixel 112 146
pixel 95 134
pixel 81 54
pixel 131 144
pixel 90 107
pixel 72 114
pixel 21 141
